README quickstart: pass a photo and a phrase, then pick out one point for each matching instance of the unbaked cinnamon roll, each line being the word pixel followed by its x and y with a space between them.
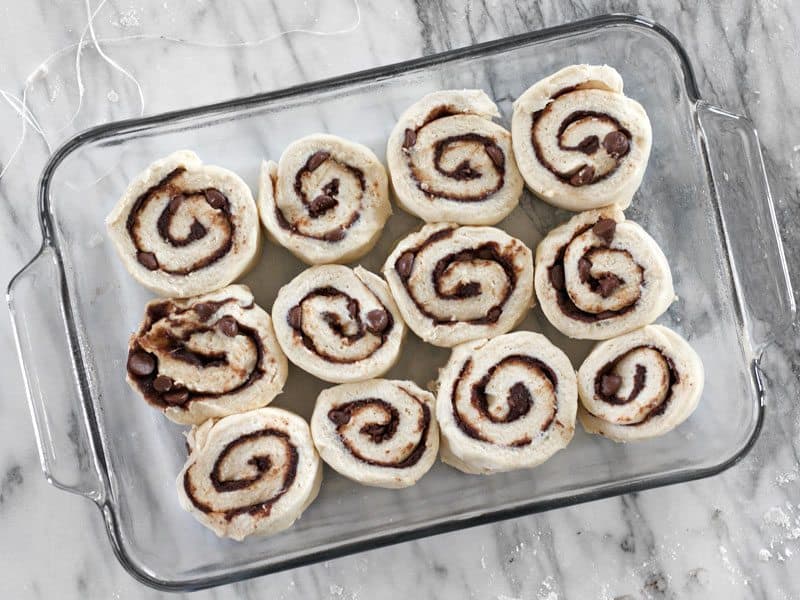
pixel 599 276
pixel 377 432
pixel 507 403
pixel 580 143
pixel 339 324
pixel 454 284
pixel 206 357
pixel 326 201
pixel 183 228
pixel 639 385
pixel 450 162
pixel 253 473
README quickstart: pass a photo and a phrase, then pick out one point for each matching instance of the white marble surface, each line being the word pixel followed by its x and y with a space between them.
pixel 733 536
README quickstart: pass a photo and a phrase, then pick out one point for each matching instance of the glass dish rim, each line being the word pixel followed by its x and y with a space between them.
pixel 106 503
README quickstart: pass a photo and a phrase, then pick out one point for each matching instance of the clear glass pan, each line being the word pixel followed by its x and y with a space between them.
pixel 704 199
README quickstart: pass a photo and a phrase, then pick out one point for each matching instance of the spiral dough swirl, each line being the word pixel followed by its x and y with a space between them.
pixel 507 403
pixel 253 473
pixel 599 276
pixel 579 141
pixel 205 357
pixel 639 385
pixel 454 284
pixel 326 201
pixel 339 324
pixel 450 162
pixel 183 229
pixel 377 432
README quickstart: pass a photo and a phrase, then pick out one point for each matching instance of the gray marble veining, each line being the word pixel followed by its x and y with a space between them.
pixel 736 535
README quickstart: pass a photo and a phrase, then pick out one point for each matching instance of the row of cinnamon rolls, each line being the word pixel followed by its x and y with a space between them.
pixel 184 228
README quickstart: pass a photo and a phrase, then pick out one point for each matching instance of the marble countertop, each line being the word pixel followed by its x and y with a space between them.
pixel 66 67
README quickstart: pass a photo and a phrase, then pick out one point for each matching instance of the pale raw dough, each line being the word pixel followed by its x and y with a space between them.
pixel 673 373
pixel 257 445
pixel 344 350
pixel 402 449
pixel 175 274
pixel 477 181
pixel 518 363
pixel 632 256
pixel 356 220
pixel 216 390
pixel 482 279
pixel 557 100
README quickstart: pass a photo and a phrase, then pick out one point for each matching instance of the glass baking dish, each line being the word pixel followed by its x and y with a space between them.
pixel 704 199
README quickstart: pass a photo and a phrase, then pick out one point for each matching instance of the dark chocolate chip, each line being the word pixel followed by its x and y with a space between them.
pixel 295 317
pixel 607 284
pixel 148 260
pixel 616 144
pixel 261 463
pixel 204 310
pixel 176 397
pixel 316 159
pixel 494 314
pixel 197 230
pixel 497 156
pixel 410 138
pixel 588 145
pixel 175 202
pixel 163 383
pixel 228 326
pixel 334 235
pixel 468 290
pixel 610 384
pixel 519 401
pixel 353 307
pixel 583 176
pixel 320 205
pixel 377 321
pixel 584 269
pixel 340 416
pixel 557 276
pixel 605 229
pixel 404 264
pixel 141 364
pixel 216 199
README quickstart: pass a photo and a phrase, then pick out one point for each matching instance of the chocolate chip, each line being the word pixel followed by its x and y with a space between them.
pixel 497 156
pixel 216 199
pixel 610 384
pixel 141 364
pixel 584 269
pixel 320 205
pixel 197 230
pixel 295 317
pixel 557 276
pixel 607 284
pixel 204 310
pixel 494 314
pixel 404 264
pixel 468 290
pixel 519 401
pixel 163 383
pixel 261 463
pixel 584 175
pixel 175 202
pixel 176 397
pixel 148 260
pixel 410 138
pixel 616 144
pixel 605 229
pixel 316 159
pixel 334 235
pixel 228 326
pixel 486 253
pixel 353 307
pixel 588 145
pixel 340 416
pixel 377 321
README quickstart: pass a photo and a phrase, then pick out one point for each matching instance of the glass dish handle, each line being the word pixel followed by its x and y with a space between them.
pixel 48 361
pixel 739 181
